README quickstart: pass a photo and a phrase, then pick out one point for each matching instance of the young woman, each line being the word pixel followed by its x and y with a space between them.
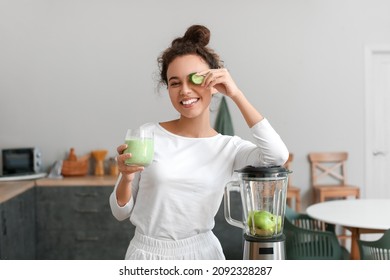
pixel 173 201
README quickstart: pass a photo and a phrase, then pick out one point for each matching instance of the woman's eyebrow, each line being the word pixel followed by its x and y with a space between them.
pixel 172 78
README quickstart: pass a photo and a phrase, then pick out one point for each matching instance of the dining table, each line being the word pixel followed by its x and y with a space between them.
pixel 359 216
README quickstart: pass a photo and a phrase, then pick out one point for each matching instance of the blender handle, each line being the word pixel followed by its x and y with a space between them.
pixel 231 186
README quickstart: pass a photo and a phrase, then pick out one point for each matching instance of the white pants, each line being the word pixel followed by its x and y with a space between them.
pixel 204 246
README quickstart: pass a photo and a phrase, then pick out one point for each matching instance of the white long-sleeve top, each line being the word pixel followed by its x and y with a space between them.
pixel 179 193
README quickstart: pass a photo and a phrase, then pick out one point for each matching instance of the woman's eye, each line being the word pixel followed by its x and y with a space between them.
pixel 174 84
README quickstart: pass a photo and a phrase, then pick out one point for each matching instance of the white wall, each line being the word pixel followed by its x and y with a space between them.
pixel 78 73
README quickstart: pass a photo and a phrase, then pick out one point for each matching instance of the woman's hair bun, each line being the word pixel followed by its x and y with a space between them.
pixel 195 34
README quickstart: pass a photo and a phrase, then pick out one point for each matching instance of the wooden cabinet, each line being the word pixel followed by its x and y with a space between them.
pixel 17 226
pixel 76 223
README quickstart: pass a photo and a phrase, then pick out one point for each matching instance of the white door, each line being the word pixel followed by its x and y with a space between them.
pixel 377 91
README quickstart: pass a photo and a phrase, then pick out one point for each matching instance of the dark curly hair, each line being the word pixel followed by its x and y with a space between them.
pixel 194 41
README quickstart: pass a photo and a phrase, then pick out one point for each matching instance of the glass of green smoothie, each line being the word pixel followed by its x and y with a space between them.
pixel 140 143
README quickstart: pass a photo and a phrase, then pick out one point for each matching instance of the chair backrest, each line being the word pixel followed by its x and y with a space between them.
pixel 328 168
pixel 306 239
pixel 305 221
pixel 377 249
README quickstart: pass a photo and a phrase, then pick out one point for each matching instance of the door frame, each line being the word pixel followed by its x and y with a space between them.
pixel 369 91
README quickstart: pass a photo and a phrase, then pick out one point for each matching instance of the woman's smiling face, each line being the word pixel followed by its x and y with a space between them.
pixel 189 100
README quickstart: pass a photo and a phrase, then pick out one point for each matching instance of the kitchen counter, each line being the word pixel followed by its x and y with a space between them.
pixel 11 189
pixel 85 181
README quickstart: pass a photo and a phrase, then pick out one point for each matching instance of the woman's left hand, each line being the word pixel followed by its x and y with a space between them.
pixel 221 80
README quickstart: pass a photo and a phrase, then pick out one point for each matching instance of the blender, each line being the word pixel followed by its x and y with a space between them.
pixel 263 195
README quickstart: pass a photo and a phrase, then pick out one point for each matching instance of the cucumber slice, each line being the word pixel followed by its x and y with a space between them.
pixel 196 79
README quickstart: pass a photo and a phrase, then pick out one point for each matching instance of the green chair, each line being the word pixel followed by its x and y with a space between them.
pixel 309 239
pixel 377 249
pixel 305 221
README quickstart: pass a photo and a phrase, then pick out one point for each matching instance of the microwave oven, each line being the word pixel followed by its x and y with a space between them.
pixel 21 161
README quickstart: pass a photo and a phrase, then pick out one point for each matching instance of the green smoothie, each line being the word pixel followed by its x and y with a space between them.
pixel 142 151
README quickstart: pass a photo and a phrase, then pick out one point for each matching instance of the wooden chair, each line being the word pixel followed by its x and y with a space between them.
pixel 329 178
pixel 293 192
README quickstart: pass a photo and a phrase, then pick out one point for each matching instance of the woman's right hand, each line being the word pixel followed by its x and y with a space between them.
pixel 128 171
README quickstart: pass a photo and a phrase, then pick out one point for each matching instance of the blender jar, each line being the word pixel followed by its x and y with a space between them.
pixel 263 194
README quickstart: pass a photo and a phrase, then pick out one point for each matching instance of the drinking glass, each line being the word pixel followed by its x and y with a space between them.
pixel 140 143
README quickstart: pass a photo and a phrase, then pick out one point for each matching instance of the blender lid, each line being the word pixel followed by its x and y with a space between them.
pixel 264 172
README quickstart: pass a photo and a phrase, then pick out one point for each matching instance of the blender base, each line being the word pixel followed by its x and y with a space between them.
pixel 264 249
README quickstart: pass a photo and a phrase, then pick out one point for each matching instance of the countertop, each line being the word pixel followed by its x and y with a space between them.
pixel 11 189
pixel 94 181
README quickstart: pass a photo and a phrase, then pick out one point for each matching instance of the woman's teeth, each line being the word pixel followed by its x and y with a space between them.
pixel 189 101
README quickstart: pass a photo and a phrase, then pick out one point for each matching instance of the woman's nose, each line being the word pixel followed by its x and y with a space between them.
pixel 185 89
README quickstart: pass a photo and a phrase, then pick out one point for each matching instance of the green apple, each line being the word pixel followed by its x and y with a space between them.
pixel 278 220
pixel 264 232
pixel 264 220
pixel 264 223
pixel 250 218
